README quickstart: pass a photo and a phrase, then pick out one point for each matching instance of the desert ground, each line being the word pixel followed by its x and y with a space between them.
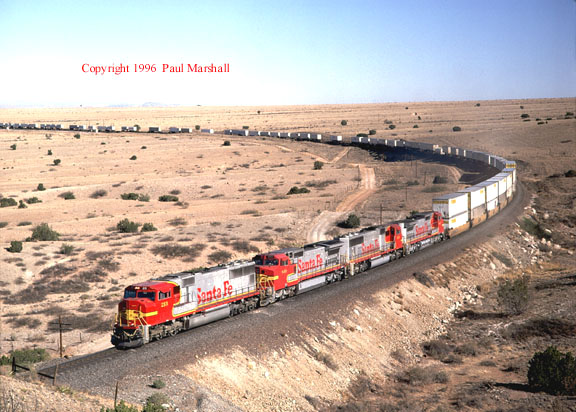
pixel 233 202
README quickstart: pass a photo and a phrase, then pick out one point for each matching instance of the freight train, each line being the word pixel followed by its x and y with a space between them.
pixel 165 306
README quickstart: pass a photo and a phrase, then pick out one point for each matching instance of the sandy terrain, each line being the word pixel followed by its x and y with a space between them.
pixel 230 194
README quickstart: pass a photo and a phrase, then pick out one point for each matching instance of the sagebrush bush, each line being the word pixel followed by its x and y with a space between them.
pixel 158 384
pixel 226 143
pixel 98 194
pixel 344 122
pixel 44 233
pixel 21 204
pixel 553 372
pixel 352 221
pixel 372 132
pixel 127 226
pixel 148 227
pixel 15 246
pixel 7 202
pixel 25 356
pixel 66 249
pixel 168 198
pixel 129 196
pixel 220 256
pixel 318 165
pixel 295 190
pixel 67 196
pixel 32 200
pixel 513 294
pixel 40 187
pixel 57 162
pixel 456 129
pixel 134 157
pixel 440 180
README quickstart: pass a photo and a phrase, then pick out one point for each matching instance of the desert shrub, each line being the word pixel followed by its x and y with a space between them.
pixel 344 122
pixel 412 183
pixel 197 127
pixel 15 247
pixel 423 376
pixel 168 198
pixel 129 196
pixel 372 132
pixel 226 143
pixel 148 227
pixel 32 200
pixel 40 187
pixel 456 129
pixel 178 221
pixel 204 187
pixel 361 135
pixel 220 256
pixel 391 126
pixel 57 162
pixel 158 384
pixel 570 173
pixel 243 246
pixel 98 194
pixel 120 407
pixel 415 126
pixel 66 249
pixel 174 250
pixel 295 190
pixel 513 294
pixel 49 152
pixel 143 198
pixel 127 226
pixel 67 196
pixel 7 201
pixel 318 165
pixel 133 157
pixel 548 328
pixel 326 359
pixel 154 403
pixel 21 204
pixel 436 349
pixel 3 224
pixel 352 221
pixel 43 233
pixel 531 226
pixel 524 116
pixel 553 372
pixel 13 146
pixel 25 356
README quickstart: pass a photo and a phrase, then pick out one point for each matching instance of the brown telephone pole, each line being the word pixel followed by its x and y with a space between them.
pixel 61 328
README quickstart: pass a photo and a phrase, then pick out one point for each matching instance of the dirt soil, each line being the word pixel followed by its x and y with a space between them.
pixel 225 192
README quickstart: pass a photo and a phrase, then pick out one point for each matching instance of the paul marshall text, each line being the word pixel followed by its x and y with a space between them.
pixel 196 68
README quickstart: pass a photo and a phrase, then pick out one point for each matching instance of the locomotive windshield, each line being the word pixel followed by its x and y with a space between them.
pixel 266 260
pixel 128 294
pixel 147 295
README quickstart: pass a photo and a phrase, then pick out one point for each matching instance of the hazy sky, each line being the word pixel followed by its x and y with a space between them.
pixel 286 52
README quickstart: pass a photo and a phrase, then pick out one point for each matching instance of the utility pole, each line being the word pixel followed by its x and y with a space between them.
pixel 61 328
pixel 380 214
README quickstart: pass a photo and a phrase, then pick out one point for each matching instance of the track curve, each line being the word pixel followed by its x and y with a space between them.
pixel 98 372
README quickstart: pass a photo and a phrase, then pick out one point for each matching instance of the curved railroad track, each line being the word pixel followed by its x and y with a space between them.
pixel 98 372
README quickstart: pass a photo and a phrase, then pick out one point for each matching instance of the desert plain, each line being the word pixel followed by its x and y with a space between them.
pixel 232 201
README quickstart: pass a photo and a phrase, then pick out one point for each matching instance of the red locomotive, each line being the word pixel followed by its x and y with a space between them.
pixel 158 308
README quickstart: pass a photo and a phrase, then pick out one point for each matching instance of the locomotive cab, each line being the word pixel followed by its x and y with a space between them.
pixel 143 304
pixel 274 270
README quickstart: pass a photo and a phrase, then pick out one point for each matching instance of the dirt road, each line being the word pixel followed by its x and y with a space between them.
pixel 326 220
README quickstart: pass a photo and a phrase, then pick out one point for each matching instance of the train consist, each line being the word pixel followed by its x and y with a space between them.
pixel 162 307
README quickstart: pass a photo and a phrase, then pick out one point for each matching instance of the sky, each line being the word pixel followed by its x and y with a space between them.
pixel 285 52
